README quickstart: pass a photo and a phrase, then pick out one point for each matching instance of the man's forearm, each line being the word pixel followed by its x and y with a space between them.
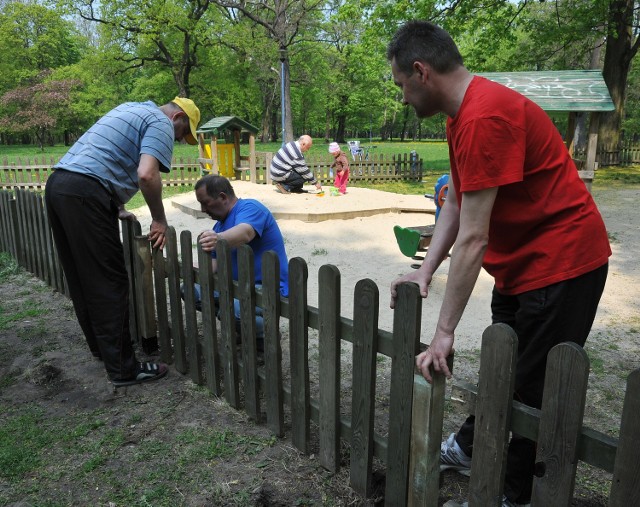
pixel 151 188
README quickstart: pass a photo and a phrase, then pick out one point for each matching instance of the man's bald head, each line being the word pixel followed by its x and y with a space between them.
pixel 305 142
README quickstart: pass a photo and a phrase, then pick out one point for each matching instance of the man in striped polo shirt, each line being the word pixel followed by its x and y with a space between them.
pixel 123 152
pixel 289 170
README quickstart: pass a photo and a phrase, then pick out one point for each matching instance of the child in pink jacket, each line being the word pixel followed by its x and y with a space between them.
pixel 341 163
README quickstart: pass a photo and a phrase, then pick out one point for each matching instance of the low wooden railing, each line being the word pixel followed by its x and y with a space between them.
pixel 32 174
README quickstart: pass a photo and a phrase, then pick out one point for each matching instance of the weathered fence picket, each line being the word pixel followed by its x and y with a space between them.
pixel 563 403
pixel 207 352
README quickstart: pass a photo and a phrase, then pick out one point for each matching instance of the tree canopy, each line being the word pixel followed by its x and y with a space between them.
pixel 230 57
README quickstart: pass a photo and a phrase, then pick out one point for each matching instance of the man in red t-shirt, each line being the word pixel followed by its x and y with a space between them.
pixel 516 207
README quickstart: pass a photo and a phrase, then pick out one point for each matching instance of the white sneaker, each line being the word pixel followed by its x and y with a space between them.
pixel 454 458
pixel 505 503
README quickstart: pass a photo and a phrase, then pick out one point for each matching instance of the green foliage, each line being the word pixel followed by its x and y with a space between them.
pixel 8 266
pixel 39 107
pixel 34 38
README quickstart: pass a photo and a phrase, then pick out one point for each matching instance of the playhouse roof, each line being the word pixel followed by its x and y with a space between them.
pixel 216 125
pixel 564 90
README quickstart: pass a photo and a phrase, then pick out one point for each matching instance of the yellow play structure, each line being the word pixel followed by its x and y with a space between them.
pixel 224 158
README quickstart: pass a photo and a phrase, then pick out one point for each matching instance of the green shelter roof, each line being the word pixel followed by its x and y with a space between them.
pixel 216 125
pixel 564 90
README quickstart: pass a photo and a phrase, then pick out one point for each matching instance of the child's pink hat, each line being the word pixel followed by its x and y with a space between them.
pixel 334 148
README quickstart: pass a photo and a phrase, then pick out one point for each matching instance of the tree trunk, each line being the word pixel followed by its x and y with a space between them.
pixel 288 124
pixel 327 126
pixel 620 50
pixel 342 120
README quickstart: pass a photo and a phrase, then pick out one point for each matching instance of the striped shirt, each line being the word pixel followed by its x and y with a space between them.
pixel 110 150
pixel 290 158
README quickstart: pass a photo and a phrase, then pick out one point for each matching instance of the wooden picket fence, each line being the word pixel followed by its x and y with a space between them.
pixel 185 171
pixel 205 350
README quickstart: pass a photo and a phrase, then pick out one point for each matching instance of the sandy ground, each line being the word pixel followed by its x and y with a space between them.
pixel 365 247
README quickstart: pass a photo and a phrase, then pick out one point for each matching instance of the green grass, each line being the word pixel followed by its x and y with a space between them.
pixel 28 308
pixel 435 154
pixel 83 447
pixel 22 442
pixel 8 267
pixel 617 176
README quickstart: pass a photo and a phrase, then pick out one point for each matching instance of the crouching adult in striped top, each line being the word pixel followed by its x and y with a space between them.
pixel 289 170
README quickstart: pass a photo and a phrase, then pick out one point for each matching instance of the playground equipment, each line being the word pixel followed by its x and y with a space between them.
pixel 412 240
pixel 224 158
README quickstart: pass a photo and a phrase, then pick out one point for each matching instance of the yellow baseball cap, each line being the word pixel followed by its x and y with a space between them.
pixel 192 111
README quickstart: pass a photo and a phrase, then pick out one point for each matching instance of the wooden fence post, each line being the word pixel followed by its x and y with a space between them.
pixel 144 299
pixel 192 340
pixel 407 319
pixel 175 301
pixel 426 436
pixel 299 353
pixel 563 400
pixel 272 349
pixel 267 163
pixel 247 297
pixel 493 413
pixel 365 345
pixel 329 368
pixel 160 284
pixel 625 487
pixel 129 231
pixel 228 324
pixel 210 336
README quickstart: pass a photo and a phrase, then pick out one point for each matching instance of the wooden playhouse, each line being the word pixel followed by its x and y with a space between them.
pixel 224 157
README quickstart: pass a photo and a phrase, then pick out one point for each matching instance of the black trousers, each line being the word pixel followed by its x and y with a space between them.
pixel 542 318
pixel 293 181
pixel 84 222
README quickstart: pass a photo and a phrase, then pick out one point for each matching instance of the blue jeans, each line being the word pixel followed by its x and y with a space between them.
pixel 197 291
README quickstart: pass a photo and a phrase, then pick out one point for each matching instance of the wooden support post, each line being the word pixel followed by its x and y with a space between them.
pixel 272 348
pixel 253 177
pixel 175 301
pixel 160 284
pixel 569 137
pixel 144 298
pixel 247 297
pixel 365 346
pixel 329 339
pixel 267 164
pixel 592 145
pixel 192 340
pixel 407 319
pixel 563 401
pixel 426 436
pixel 228 324
pixel 236 148
pixel 210 337
pixel 299 354
pixel 129 231
pixel 625 487
pixel 493 414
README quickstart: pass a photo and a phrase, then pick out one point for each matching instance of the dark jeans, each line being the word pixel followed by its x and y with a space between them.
pixel 197 293
pixel 541 318
pixel 293 181
pixel 84 222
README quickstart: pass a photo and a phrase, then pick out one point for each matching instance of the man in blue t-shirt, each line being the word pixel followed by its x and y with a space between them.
pixel 240 222
pixel 122 152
